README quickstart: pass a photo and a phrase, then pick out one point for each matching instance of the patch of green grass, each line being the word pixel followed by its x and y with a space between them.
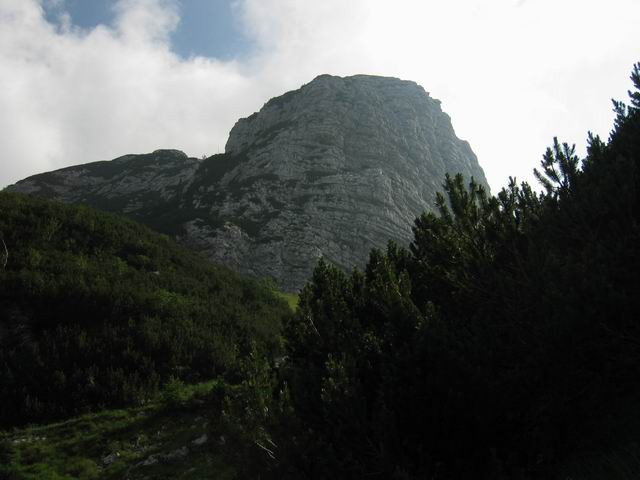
pixel 291 299
pixel 115 444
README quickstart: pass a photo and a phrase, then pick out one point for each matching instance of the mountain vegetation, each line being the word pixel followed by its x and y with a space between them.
pixel 98 311
pixel 502 343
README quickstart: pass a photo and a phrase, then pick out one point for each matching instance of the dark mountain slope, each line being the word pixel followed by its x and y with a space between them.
pixel 96 310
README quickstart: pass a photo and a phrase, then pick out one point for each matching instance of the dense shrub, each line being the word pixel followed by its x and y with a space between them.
pixel 96 310
pixel 502 344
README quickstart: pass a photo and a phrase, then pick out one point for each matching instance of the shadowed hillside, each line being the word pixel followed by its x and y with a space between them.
pixel 96 310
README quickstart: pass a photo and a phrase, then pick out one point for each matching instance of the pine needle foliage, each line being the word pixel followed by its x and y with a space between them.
pixel 503 343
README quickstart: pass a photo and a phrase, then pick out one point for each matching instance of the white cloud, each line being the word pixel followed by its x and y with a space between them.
pixel 511 74
pixel 73 96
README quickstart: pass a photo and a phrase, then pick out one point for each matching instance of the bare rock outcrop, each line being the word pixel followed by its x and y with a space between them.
pixel 332 169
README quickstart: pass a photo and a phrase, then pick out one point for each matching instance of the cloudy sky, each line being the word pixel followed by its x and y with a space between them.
pixel 87 80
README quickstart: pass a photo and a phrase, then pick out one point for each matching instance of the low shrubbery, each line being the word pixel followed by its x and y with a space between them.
pixel 96 310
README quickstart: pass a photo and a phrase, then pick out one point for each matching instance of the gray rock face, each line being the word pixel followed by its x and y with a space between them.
pixel 335 168
pixel 136 185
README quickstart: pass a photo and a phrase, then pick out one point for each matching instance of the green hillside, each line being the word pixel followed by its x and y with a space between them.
pixel 98 311
pixel 182 433
pixel 151 441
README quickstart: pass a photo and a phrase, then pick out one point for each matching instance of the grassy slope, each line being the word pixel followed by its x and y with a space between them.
pixel 80 447
pixel 291 299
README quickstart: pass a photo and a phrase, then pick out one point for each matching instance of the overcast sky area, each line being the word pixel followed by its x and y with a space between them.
pixel 87 80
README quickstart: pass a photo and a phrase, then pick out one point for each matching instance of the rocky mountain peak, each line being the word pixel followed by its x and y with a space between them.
pixel 332 169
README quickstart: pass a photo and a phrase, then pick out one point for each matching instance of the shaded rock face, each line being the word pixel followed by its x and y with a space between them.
pixel 140 186
pixel 332 169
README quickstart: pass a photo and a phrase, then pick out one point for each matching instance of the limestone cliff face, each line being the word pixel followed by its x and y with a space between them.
pixel 335 168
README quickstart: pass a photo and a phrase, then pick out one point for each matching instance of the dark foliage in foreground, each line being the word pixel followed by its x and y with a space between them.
pixel 96 310
pixel 504 343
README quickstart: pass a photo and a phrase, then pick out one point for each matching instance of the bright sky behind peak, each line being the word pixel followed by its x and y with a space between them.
pixel 87 80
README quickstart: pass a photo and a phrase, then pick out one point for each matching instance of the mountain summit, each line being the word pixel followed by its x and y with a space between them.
pixel 332 169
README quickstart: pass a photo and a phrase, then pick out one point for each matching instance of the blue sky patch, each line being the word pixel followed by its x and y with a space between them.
pixel 207 27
